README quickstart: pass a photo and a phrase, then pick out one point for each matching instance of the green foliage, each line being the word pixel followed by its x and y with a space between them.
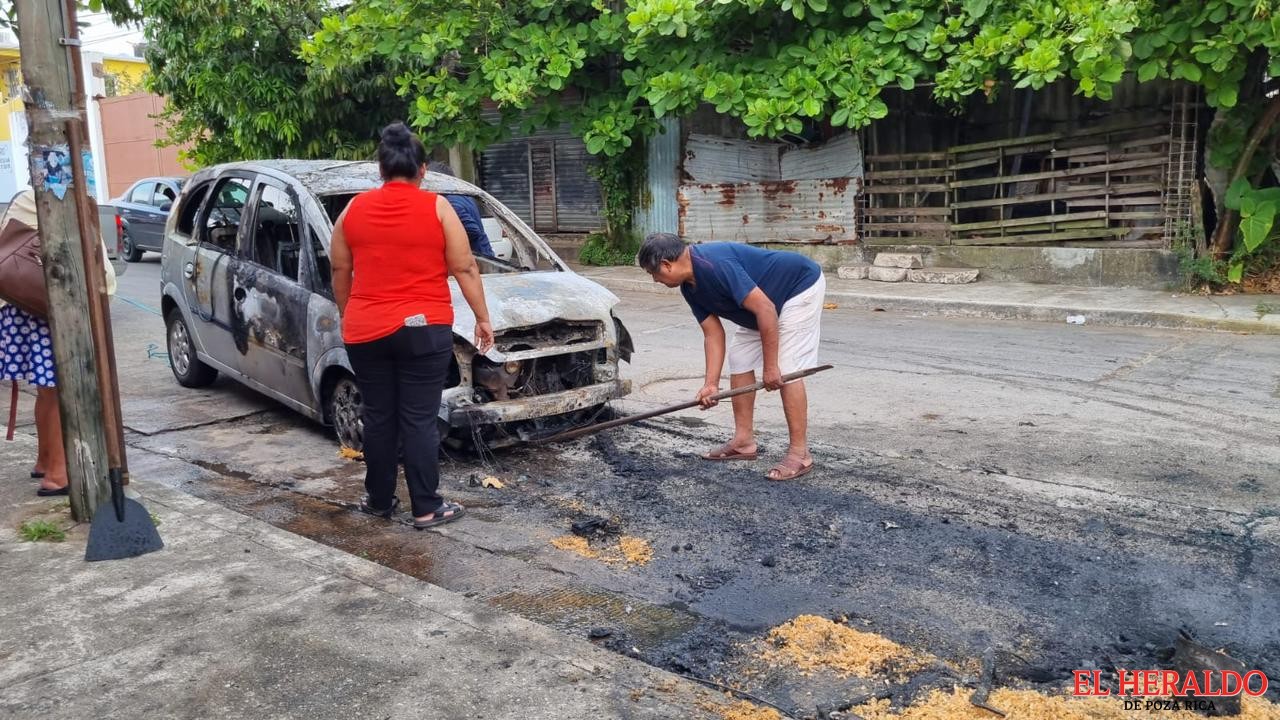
pixel 621 179
pixel 1257 208
pixel 237 88
pixel 37 530
pixel 315 78
pixel 600 250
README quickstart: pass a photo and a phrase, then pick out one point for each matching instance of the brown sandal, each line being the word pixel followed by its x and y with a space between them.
pixel 789 468
pixel 727 453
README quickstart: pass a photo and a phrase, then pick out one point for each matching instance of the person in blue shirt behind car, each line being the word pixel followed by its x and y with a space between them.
pixel 775 299
pixel 468 213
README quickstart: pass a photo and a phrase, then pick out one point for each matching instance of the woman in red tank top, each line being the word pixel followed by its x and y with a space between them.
pixel 392 252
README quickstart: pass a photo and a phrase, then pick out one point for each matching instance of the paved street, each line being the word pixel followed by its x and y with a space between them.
pixel 1074 495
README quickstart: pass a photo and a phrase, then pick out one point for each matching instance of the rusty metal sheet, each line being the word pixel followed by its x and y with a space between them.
pixel 783 211
pixel 839 157
pixel 710 159
pixel 661 214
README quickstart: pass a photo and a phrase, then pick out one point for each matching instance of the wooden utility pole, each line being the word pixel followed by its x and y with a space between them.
pixel 49 77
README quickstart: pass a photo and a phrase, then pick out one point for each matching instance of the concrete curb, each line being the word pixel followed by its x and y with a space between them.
pixel 1111 317
pixel 994 309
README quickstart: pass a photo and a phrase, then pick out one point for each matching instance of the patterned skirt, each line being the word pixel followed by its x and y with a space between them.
pixel 26 348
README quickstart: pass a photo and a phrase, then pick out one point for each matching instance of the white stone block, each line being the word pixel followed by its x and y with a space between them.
pixel 887 274
pixel 899 260
pixel 943 276
pixel 853 272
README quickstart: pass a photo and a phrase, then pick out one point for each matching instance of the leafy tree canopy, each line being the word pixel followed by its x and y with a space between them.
pixel 772 63
pixel 238 89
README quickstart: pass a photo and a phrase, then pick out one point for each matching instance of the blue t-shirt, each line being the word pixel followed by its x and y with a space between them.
pixel 469 214
pixel 725 273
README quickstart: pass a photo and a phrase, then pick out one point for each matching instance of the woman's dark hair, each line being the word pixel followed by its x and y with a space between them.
pixel 400 153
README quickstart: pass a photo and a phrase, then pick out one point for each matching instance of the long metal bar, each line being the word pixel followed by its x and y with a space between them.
pixel 592 429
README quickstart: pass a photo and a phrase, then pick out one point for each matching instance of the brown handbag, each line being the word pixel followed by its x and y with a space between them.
pixel 21 270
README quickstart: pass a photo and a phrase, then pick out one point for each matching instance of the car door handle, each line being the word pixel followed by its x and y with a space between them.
pixel 189 270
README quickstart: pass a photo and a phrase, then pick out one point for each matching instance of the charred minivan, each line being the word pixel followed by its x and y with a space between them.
pixel 245 291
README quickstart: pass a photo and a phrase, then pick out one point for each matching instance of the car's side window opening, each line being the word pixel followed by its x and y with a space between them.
pixel 191 206
pixel 323 281
pixel 222 222
pixel 275 243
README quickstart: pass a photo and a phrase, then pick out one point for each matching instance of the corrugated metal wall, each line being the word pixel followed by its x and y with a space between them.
pixel 504 172
pixel 544 178
pixel 810 198
pixel 781 211
pixel 543 173
pixel 838 157
pixel 710 159
pixel 577 193
pixel 662 212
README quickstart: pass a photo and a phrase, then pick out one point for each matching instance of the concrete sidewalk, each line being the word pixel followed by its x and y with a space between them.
pixel 237 619
pixel 1025 301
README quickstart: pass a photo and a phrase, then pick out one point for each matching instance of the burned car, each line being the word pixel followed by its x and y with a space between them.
pixel 245 288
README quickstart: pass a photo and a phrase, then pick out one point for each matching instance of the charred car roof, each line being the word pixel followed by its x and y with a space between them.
pixel 330 177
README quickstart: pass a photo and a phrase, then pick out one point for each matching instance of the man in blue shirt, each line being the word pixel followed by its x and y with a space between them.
pixel 775 299
pixel 468 213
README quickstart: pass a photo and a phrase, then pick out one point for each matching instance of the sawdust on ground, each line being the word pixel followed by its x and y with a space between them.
pixel 743 710
pixel 627 549
pixel 1030 705
pixel 637 551
pixel 811 643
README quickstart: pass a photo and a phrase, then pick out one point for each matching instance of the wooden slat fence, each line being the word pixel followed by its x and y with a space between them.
pixel 1102 187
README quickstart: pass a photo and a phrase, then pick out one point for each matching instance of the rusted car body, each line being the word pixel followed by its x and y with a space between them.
pixel 246 292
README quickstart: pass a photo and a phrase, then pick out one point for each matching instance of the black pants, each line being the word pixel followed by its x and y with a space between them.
pixel 401 377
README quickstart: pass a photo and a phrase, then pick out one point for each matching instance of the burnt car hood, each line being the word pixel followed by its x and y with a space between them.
pixel 521 300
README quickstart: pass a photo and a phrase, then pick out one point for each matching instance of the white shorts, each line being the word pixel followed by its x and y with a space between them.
pixel 799 330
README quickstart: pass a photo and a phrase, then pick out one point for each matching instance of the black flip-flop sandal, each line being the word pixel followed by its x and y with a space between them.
pixel 454 509
pixel 368 509
pixel 37 475
pixel 47 492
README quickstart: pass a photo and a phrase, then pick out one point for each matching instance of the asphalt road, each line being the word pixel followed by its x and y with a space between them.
pixel 1070 495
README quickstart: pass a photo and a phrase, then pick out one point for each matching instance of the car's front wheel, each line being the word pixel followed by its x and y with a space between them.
pixel 345 409
pixel 132 253
pixel 187 367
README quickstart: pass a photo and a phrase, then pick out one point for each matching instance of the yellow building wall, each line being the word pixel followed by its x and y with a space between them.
pixel 8 103
pixel 129 74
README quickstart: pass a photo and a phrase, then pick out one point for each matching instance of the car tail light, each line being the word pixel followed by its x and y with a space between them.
pixel 119 233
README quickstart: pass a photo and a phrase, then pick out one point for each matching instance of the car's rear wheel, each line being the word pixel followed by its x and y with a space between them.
pixel 132 253
pixel 345 409
pixel 187 367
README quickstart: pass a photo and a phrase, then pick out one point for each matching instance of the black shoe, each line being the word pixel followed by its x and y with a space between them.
pixel 368 509
pixel 448 512
pixel 45 492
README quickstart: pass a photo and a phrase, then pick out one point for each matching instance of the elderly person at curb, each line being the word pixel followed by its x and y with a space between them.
pixel 391 254
pixel 775 299
pixel 26 354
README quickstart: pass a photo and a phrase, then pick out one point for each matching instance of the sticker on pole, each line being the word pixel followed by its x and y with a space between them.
pixel 51 169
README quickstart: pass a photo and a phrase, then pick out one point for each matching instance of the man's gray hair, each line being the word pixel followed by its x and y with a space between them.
pixel 658 247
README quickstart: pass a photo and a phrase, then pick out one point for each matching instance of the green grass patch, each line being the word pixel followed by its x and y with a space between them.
pixel 37 530
pixel 600 251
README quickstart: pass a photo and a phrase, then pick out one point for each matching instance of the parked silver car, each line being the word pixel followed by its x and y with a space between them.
pixel 246 292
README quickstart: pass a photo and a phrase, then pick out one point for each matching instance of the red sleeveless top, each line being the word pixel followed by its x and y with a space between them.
pixel 400 273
